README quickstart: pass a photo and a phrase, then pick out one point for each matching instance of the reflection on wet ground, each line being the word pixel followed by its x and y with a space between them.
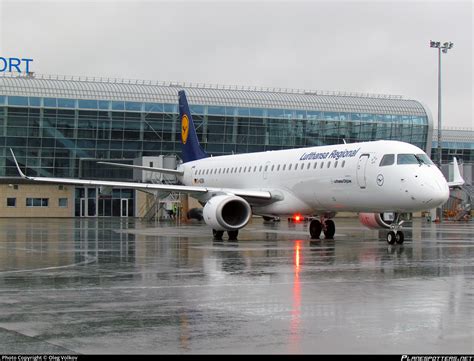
pixel 122 286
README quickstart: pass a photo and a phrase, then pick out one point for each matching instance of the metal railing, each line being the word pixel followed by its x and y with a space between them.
pixel 178 84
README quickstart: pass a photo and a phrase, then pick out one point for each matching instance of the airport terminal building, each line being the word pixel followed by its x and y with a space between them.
pixel 61 126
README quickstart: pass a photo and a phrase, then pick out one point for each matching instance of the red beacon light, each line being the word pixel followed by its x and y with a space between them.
pixel 297 218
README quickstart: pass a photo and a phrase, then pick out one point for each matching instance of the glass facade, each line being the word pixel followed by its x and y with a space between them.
pixel 92 202
pixel 457 143
pixel 55 134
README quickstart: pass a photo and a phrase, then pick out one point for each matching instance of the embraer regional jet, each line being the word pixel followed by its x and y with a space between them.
pixel 371 178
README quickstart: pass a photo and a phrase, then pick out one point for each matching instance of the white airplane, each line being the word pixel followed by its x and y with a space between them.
pixel 371 178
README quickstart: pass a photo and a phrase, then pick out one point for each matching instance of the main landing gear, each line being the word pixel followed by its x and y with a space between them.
pixel 218 235
pixel 326 226
pixel 395 235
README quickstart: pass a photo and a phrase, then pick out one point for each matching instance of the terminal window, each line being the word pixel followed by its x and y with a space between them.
pixel 37 202
pixel 62 202
pixel 11 202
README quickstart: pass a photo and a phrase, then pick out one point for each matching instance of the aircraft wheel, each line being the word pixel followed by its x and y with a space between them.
pixel 400 237
pixel 315 229
pixel 233 235
pixel 330 230
pixel 391 237
pixel 217 235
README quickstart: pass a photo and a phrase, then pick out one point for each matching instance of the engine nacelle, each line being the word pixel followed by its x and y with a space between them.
pixel 227 213
pixel 377 220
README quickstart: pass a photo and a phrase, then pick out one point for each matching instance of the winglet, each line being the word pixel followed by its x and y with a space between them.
pixel 457 178
pixel 17 166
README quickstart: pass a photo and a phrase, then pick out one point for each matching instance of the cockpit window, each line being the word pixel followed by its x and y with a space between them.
pixel 407 159
pixel 425 159
pixel 387 159
pixel 414 159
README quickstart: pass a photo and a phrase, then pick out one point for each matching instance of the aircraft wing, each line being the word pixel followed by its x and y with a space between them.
pixel 244 193
pixel 458 180
pixel 150 169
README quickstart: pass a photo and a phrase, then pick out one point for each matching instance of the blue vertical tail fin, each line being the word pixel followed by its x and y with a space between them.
pixel 190 147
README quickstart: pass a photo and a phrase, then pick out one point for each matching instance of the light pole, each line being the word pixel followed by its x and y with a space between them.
pixel 444 48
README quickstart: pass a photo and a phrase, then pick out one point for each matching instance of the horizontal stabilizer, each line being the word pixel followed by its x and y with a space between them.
pixel 150 169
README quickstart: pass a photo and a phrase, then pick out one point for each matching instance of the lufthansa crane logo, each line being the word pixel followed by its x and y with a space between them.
pixel 380 179
pixel 184 128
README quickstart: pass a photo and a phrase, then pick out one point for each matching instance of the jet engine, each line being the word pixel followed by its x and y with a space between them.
pixel 377 220
pixel 227 213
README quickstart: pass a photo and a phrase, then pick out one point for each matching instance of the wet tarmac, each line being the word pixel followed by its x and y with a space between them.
pixel 120 286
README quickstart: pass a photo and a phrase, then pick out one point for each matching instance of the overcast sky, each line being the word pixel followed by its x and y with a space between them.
pixel 376 46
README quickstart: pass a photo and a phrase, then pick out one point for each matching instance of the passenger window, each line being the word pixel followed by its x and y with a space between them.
pixel 329 164
pixel 335 164
pixel 289 167
pixel 387 159
pixel 278 168
pixel 309 165
pixel 343 164
pixel 322 164
pixel 240 169
pixel 266 168
pixel 284 166
pixel 315 165
pixel 260 169
pixel 254 169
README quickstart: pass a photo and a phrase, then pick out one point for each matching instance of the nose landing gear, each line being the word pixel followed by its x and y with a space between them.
pixel 395 235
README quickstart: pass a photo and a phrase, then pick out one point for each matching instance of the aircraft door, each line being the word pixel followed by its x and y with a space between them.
pixel 266 169
pixel 361 166
pixel 193 175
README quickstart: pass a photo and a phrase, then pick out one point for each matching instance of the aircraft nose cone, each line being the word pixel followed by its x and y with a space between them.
pixel 436 193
